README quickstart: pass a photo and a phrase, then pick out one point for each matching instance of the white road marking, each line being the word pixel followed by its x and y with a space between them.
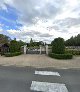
pixel 47 73
pixel 48 87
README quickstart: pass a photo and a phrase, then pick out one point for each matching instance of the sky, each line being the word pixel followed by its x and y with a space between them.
pixel 41 20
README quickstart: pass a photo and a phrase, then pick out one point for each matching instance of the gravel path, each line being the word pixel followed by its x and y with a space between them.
pixel 39 61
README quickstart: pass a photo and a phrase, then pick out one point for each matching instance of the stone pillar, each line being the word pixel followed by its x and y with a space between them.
pixel 24 49
pixel 46 49
pixel 40 49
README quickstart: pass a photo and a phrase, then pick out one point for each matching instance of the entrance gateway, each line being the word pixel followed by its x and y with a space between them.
pixel 34 50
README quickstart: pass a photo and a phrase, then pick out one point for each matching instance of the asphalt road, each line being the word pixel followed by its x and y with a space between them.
pixel 13 79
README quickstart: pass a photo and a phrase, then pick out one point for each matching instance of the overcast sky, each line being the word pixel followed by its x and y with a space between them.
pixel 42 20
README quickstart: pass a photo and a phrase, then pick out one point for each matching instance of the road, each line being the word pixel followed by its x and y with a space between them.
pixel 13 79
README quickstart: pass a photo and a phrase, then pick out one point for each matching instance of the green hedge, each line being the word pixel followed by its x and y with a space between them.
pixel 12 54
pixel 73 52
pixel 58 46
pixel 61 56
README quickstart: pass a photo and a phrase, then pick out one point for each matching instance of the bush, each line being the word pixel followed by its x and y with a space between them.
pixel 58 46
pixel 73 52
pixel 12 54
pixel 14 46
pixel 61 56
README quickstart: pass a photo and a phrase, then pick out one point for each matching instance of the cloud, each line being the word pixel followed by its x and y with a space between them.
pixel 30 9
pixel 45 35
pixel 44 19
pixel 43 9
pixel 1 25
pixel 26 34
pixel 0 30
pixel 64 24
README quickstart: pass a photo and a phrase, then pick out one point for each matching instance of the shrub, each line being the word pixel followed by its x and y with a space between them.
pixel 73 52
pixel 14 46
pixel 58 46
pixel 61 56
pixel 12 54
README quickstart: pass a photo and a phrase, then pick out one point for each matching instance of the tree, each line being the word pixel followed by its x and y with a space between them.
pixel 73 41
pixel 4 39
pixel 21 43
pixel 31 42
pixel 14 46
pixel 70 42
pixel 58 46
pixel 41 43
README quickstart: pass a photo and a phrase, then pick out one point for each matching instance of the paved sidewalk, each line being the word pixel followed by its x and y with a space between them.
pixel 39 61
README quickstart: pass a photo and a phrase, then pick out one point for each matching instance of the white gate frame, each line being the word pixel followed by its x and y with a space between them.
pixel 25 49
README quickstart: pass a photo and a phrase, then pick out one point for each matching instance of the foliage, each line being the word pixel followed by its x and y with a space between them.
pixel 21 43
pixel 4 39
pixel 61 56
pixel 34 44
pixel 58 46
pixel 31 42
pixel 12 54
pixel 14 46
pixel 73 41
pixel 73 52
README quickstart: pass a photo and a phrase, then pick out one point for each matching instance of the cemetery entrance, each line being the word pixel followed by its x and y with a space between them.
pixel 35 50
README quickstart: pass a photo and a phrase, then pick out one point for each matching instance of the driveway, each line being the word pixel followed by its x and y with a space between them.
pixel 39 61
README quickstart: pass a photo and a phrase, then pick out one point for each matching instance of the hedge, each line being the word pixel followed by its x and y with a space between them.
pixel 61 56
pixel 58 46
pixel 12 54
pixel 73 52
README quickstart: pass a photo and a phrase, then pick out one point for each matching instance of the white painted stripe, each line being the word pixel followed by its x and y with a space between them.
pixel 48 87
pixel 47 73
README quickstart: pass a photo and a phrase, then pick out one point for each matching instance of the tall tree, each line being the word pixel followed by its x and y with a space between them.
pixel 73 41
pixel 31 42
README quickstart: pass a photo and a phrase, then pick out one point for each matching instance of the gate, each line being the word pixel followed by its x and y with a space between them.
pixel 35 50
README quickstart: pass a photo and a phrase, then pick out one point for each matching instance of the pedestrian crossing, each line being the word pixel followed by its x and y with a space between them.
pixel 40 86
pixel 47 73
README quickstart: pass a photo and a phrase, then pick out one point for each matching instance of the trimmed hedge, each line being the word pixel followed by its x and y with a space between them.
pixel 58 46
pixel 12 54
pixel 73 52
pixel 61 56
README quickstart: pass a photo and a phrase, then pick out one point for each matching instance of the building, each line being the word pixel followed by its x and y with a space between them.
pixel 4 48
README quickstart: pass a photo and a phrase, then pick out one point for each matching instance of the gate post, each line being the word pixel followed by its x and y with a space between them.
pixel 24 49
pixel 47 49
pixel 40 49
